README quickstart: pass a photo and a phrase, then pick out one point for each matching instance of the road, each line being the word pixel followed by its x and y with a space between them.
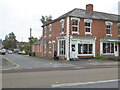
pixel 27 62
pixel 98 84
pixel 28 73
pixel 15 61
pixel 48 78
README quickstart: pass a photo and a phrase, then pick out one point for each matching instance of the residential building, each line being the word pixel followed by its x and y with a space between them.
pixel 37 48
pixel 81 34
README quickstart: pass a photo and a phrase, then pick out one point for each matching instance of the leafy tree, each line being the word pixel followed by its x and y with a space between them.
pixel 45 19
pixel 32 40
pixel 10 41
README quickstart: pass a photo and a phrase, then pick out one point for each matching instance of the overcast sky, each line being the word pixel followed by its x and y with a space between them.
pixel 19 16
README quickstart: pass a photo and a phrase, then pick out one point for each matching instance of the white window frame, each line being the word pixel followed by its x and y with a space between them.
pixel 50 46
pixel 63 47
pixel 118 29
pixel 75 32
pixel 45 47
pixel 45 31
pixel 50 29
pixel 62 27
pixel 106 49
pixel 88 21
pixel 109 23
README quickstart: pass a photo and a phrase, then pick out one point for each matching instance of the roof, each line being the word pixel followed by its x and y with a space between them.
pixel 81 13
pixel 37 42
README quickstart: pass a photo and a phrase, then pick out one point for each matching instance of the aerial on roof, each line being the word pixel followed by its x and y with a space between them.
pixel 81 13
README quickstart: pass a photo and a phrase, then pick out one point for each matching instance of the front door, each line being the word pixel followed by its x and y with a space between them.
pixel 73 50
pixel 116 49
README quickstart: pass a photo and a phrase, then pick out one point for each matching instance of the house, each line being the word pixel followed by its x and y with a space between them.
pixel 82 34
pixel 22 44
pixel 37 48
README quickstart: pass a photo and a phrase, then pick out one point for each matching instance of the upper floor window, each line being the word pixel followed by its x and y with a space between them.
pixel 109 28
pixel 62 26
pixel 119 29
pixel 50 27
pixel 45 30
pixel 75 25
pixel 88 25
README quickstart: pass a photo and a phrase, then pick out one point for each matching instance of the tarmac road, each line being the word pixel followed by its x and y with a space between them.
pixel 16 62
pixel 27 62
pixel 48 78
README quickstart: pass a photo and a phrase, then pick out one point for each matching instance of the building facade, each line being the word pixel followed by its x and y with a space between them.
pixel 81 34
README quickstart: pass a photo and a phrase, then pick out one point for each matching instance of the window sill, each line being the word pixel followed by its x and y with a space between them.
pixel 108 34
pixel 75 33
pixel 87 33
pixel 108 53
pixel 61 33
pixel 85 55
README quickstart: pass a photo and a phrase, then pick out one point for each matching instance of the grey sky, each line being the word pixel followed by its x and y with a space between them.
pixel 19 16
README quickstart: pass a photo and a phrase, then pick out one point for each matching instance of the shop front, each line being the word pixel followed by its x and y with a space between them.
pixel 109 47
pixel 82 47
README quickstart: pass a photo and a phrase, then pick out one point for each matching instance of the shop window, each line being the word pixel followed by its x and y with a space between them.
pixel 85 48
pixel 108 48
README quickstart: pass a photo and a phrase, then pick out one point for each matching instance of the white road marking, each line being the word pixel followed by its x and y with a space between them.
pixel 81 83
pixel 16 65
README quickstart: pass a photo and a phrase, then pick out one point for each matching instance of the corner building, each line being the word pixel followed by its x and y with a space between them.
pixel 82 34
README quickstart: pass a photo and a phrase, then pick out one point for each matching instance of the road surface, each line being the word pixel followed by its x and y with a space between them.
pixel 48 78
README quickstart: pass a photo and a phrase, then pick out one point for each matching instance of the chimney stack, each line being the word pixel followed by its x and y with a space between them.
pixel 89 8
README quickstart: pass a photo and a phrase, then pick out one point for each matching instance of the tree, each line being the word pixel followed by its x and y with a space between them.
pixel 10 41
pixel 32 40
pixel 45 19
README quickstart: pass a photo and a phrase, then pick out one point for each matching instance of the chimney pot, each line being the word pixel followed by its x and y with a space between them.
pixel 89 8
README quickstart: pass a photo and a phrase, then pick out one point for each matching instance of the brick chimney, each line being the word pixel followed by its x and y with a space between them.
pixel 89 8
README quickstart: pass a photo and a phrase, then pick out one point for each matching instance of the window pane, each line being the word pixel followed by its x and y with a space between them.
pixel 85 49
pixel 73 47
pixel 90 48
pixel 74 22
pixel 112 47
pixel 108 47
pixel 80 49
pixel 87 29
pixel 74 29
pixel 104 47
pixel 87 24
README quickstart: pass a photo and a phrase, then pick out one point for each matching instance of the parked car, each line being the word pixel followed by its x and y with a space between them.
pixel 10 51
pixel 3 51
pixel 21 52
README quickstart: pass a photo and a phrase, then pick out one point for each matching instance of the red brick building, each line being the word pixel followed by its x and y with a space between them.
pixel 82 33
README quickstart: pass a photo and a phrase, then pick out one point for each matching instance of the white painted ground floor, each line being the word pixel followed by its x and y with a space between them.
pixel 77 46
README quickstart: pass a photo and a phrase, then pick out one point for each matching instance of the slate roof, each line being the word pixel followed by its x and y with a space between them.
pixel 37 42
pixel 81 13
